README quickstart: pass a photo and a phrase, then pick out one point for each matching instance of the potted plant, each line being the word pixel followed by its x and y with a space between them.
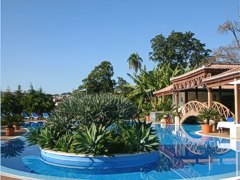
pixel 167 110
pixel 147 108
pixel 18 119
pixel 8 121
pixel 205 115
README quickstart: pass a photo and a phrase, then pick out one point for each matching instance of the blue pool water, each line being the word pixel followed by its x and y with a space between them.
pixel 183 154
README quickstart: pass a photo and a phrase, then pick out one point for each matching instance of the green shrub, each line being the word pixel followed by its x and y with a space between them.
pixel 102 109
pixel 95 124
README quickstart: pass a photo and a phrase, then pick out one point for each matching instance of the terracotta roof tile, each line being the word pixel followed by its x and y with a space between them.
pixel 222 66
pixel 166 89
pixel 212 66
pixel 224 74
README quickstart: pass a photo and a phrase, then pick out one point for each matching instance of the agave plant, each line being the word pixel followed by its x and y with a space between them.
pixel 64 143
pixel 102 109
pixel 45 137
pixel 123 140
pixel 138 137
pixel 33 136
pixel 94 124
pixel 64 124
pixel 146 137
pixel 92 141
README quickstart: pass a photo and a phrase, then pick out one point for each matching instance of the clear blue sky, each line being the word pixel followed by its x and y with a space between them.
pixel 55 44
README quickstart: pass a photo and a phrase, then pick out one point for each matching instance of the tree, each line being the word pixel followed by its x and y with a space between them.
pixel 37 101
pixel 8 102
pixel 230 53
pixel 135 62
pixel 122 87
pixel 19 100
pixel 99 80
pixel 31 101
pixel 178 49
pixel 149 81
pixel 233 27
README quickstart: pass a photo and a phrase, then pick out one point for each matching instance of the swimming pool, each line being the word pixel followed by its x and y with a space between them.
pixel 183 154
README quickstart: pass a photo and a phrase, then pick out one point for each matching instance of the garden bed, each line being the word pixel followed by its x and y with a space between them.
pixel 130 162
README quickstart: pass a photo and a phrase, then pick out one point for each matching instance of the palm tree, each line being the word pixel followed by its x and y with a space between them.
pixel 146 82
pixel 135 62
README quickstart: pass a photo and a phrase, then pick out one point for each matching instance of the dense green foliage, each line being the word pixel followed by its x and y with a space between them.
pixel 100 79
pixel 175 54
pixel 95 124
pixel 11 102
pixel 30 101
pixel 11 119
pixel 167 107
pixel 138 136
pixel 37 101
pixel 178 49
pixel 122 87
pixel 149 81
pixel 122 137
pixel 102 109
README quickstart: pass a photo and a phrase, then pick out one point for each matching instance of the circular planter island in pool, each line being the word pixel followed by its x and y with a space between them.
pixel 120 162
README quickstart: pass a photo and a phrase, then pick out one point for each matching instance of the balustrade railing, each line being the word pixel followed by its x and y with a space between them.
pixel 192 108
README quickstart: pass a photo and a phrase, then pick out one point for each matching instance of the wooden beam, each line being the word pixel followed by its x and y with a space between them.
pixel 163 99
pixel 220 94
pixel 209 97
pixel 237 101
pixel 221 81
pixel 155 102
pixel 186 97
pixel 196 93
pixel 176 102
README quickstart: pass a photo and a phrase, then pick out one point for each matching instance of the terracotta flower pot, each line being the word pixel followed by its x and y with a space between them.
pixel 147 119
pixel 9 131
pixel 206 128
pixel 16 127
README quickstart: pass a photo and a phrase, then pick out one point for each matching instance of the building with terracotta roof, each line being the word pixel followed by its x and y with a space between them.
pixel 214 85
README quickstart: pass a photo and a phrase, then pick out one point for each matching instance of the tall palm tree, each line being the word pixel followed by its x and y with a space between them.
pixel 135 62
